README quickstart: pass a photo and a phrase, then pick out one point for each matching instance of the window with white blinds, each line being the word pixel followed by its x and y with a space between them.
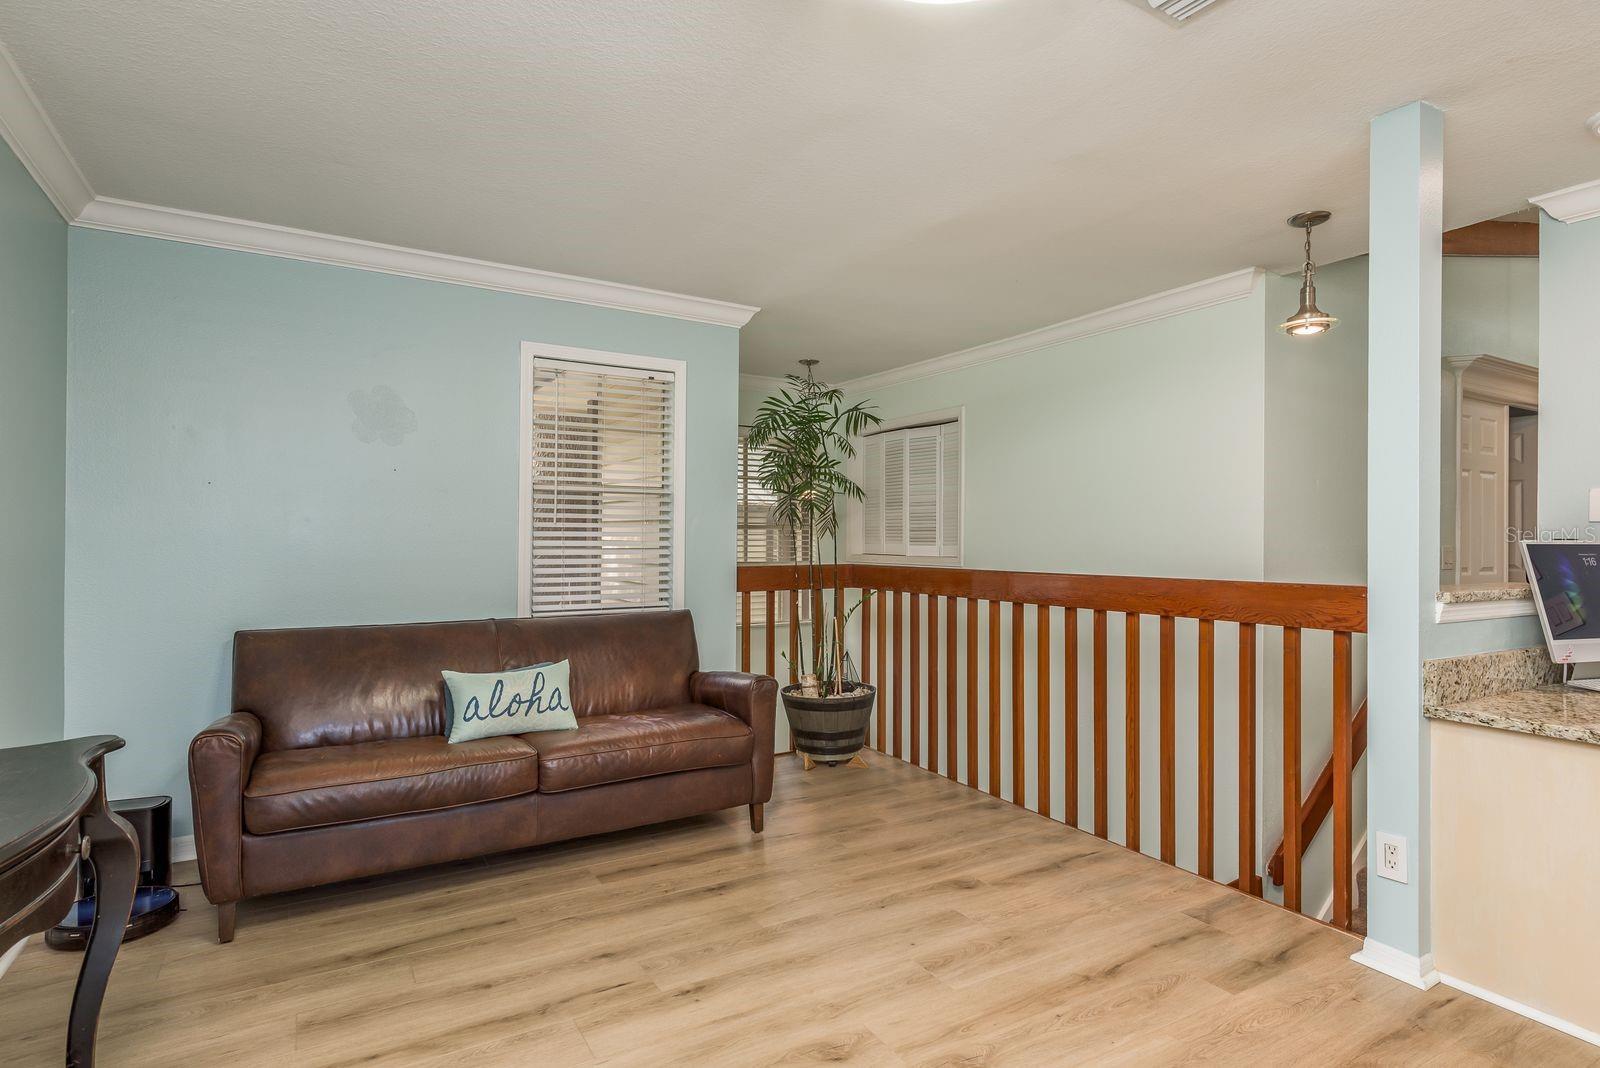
pixel 601 502
pixel 911 480
pixel 762 539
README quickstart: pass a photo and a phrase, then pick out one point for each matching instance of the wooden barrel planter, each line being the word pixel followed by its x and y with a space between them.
pixel 830 730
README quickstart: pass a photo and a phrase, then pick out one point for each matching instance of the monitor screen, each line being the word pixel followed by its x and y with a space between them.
pixel 1566 585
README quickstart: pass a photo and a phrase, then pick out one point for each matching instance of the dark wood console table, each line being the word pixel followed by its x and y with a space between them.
pixel 53 812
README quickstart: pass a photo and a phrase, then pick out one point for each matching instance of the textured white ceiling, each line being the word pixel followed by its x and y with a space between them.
pixel 889 181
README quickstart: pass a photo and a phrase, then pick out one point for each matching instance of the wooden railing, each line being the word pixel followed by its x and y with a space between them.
pixel 1319 802
pixel 931 721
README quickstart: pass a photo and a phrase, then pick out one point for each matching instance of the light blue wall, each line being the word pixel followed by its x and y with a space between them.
pixel 1569 375
pixel 215 480
pixel 33 408
pixel 1134 452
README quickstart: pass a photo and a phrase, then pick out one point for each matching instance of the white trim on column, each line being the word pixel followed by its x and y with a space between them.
pixel 1413 971
pixel 1572 204
pixel 1536 1015
pixel 217 231
pixel 1472 611
pixel 1192 297
pixel 29 132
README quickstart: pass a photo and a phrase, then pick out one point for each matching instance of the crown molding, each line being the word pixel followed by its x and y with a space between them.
pixel 1573 204
pixel 1204 294
pixel 29 132
pixel 240 235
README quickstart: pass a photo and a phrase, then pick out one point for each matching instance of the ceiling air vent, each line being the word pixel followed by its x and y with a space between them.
pixel 1180 9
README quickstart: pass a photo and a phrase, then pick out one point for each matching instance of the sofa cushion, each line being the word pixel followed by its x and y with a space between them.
pixel 636 745
pixel 621 661
pixel 344 685
pixel 294 789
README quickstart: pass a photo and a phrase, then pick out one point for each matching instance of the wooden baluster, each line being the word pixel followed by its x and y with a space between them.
pixel 1248 881
pixel 838 616
pixel 883 673
pixel 1206 803
pixel 1291 768
pixel 1042 708
pixel 1069 722
pixel 1019 736
pixel 972 692
pixel 950 687
pixel 932 724
pixel 914 754
pixel 745 623
pixel 994 698
pixel 897 732
pixel 771 599
pixel 1169 742
pixel 817 626
pixel 794 636
pixel 1341 780
pixel 1130 736
pixel 866 636
pixel 1102 824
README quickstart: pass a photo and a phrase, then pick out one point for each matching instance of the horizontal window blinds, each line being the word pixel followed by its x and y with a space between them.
pixel 602 488
pixel 911 480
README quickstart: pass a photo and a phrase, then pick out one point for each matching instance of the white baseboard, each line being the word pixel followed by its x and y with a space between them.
pixel 10 955
pixel 1413 971
pixel 1520 1009
pixel 183 849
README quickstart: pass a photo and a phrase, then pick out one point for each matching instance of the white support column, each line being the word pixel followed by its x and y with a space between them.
pixel 1403 383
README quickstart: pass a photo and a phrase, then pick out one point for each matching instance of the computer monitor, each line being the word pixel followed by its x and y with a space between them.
pixel 1565 576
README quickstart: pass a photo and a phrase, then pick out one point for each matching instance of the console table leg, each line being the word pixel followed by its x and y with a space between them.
pixel 114 852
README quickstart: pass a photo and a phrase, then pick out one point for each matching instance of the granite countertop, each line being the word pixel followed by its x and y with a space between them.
pixel 1505 591
pixel 1550 711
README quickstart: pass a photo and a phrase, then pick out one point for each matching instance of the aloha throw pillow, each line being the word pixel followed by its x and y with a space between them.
pixel 508 702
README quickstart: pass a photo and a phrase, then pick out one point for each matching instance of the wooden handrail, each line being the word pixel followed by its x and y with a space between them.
pixel 1320 801
pixel 1307 605
pixel 899 646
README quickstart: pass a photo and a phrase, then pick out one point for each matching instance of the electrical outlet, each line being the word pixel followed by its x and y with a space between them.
pixel 1392 857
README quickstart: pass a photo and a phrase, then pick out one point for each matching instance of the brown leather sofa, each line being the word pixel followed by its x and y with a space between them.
pixel 333 764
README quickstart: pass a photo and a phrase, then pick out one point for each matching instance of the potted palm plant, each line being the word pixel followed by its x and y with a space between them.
pixel 804 433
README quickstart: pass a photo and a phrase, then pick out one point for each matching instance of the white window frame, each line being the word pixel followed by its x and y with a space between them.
pixel 614 361
pixel 854 518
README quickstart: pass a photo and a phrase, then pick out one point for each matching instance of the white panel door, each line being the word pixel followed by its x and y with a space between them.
pixel 1522 483
pixel 1483 496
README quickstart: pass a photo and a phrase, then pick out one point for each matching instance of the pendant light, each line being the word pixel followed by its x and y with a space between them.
pixel 1309 320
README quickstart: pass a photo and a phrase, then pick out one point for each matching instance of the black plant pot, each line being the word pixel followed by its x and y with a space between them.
pixel 830 730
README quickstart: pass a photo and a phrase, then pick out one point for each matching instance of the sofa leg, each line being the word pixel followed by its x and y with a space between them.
pixel 226 915
pixel 757 817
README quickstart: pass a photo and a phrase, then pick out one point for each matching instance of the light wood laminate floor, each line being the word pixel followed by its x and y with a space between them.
pixel 886 917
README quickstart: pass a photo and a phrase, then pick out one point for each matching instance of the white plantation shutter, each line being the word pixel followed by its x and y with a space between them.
pixel 922 491
pixel 894 493
pixel 950 489
pixel 872 492
pixel 911 480
pixel 602 493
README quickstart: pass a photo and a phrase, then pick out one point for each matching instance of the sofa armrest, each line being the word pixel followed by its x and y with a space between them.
pixel 220 759
pixel 752 698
